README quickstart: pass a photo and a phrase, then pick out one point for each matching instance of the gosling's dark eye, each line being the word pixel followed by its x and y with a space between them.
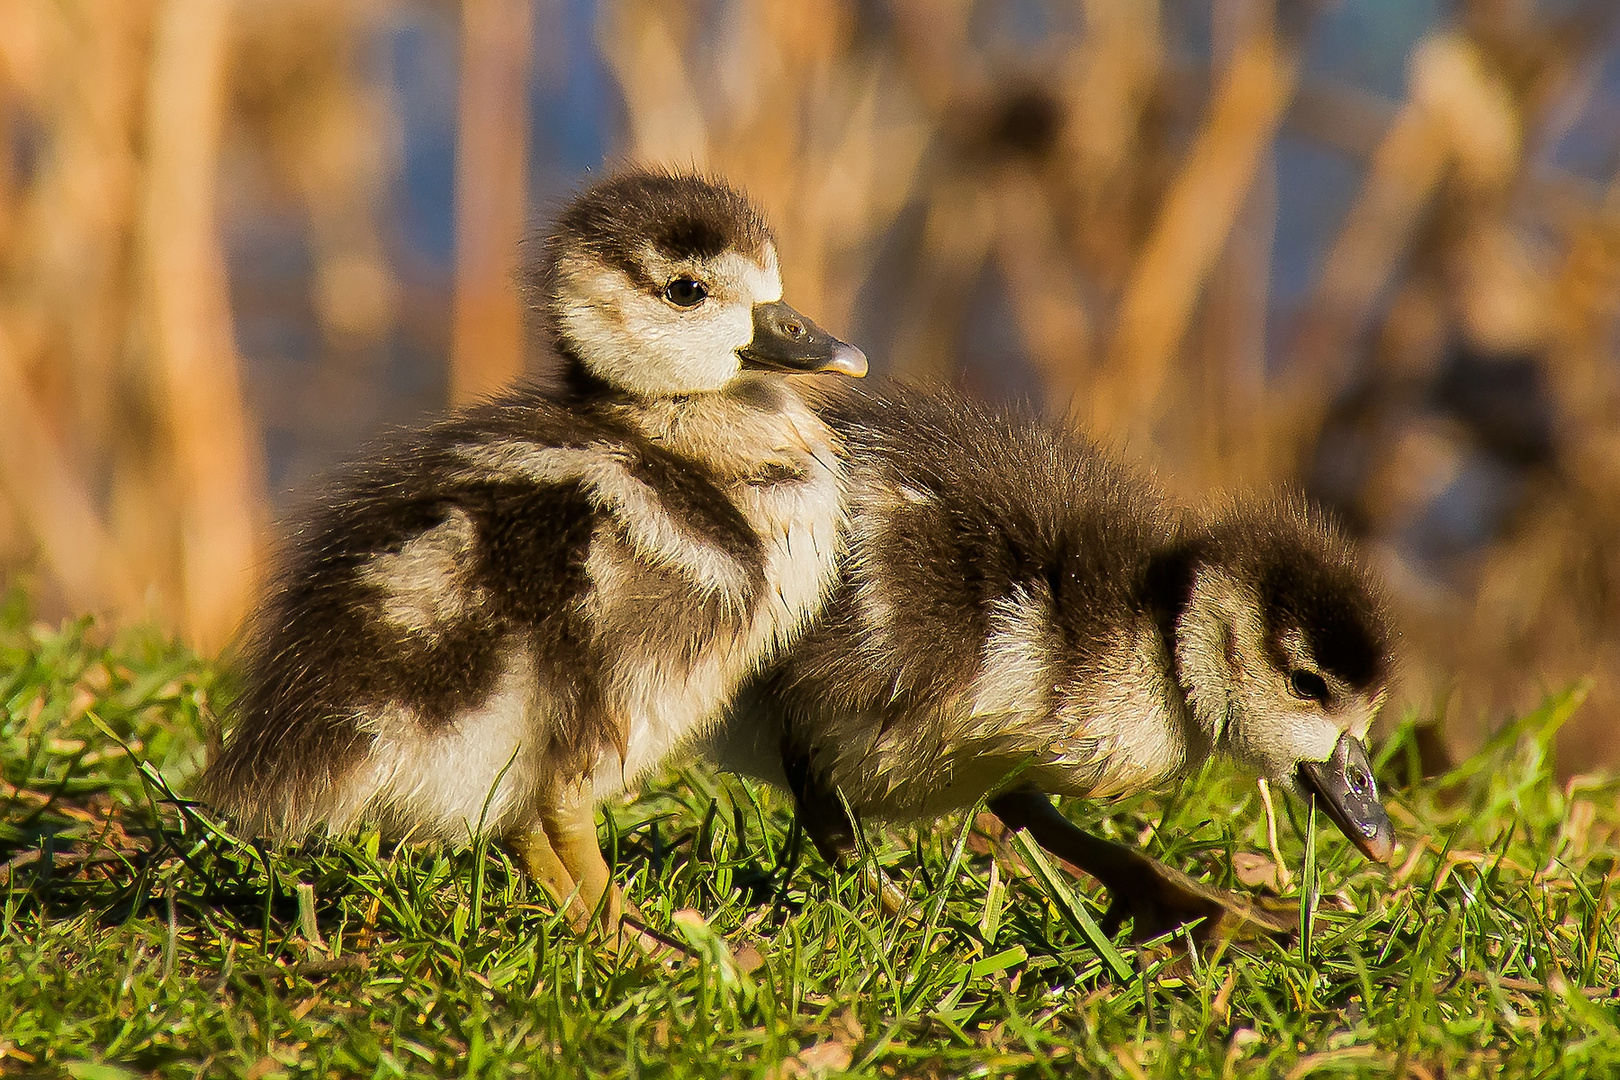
pixel 1308 685
pixel 685 292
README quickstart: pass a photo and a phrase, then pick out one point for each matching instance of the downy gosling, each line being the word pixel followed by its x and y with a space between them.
pixel 1018 616
pixel 497 622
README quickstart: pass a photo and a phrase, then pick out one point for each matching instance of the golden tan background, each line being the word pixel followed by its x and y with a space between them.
pixel 1371 247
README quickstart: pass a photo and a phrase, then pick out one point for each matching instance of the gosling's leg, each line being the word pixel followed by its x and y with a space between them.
pixel 561 853
pixel 569 821
pixel 822 815
pixel 818 807
pixel 1157 898
pixel 540 861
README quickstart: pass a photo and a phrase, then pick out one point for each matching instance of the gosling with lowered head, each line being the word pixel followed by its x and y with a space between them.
pixel 1018 615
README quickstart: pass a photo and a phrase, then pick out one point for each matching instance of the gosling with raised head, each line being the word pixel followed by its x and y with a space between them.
pixel 496 622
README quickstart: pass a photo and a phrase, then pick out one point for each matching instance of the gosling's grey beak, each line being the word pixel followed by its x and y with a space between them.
pixel 1345 787
pixel 784 340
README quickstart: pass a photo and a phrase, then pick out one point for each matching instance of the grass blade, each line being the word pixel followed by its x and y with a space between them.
pixel 1309 886
pixel 1072 910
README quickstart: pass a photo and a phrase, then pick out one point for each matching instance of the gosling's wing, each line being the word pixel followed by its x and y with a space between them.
pixel 395 591
pixel 522 535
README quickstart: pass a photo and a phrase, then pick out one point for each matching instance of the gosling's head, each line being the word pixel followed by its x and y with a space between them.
pixel 1284 647
pixel 663 284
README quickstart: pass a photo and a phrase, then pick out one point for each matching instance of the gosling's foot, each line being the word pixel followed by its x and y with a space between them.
pixel 561 855
pixel 1159 899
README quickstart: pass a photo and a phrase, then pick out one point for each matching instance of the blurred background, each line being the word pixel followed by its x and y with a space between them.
pixel 1371 247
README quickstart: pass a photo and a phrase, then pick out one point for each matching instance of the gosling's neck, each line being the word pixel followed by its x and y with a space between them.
pixel 1218 634
pixel 578 385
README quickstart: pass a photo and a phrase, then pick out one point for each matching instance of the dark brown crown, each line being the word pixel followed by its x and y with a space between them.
pixel 681 215
pixel 1310 580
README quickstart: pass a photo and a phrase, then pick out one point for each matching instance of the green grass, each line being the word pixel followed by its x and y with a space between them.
pixel 139 938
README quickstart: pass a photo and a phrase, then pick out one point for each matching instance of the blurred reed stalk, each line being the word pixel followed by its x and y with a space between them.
pixel 1190 231
pixel 492 160
pixel 131 472
pixel 51 501
pixel 129 457
pixel 215 483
